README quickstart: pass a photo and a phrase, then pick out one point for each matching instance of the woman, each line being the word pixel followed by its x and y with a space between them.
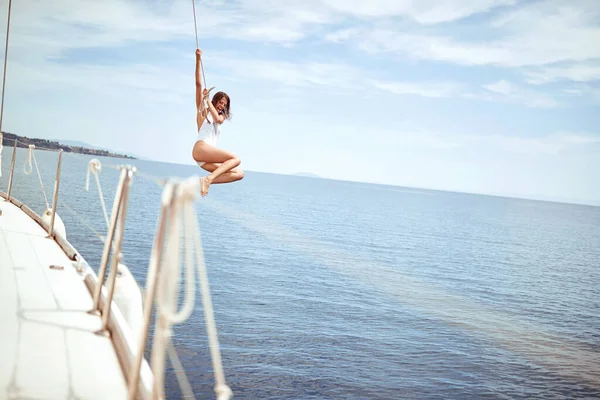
pixel 221 164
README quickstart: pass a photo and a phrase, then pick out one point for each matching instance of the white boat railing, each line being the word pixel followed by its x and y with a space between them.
pixel 162 280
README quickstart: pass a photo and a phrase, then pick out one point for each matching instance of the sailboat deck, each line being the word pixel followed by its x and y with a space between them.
pixel 48 345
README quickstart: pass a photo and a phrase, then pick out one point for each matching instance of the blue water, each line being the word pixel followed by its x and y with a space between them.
pixel 336 290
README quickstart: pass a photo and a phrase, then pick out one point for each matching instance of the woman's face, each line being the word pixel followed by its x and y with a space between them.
pixel 221 104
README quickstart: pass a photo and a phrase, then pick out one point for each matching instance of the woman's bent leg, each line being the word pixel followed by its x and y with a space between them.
pixel 234 175
pixel 210 154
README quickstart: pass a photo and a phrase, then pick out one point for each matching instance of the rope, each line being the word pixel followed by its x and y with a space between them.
pixel 159 181
pixel 184 383
pixel 28 161
pixel 95 167
pixel 31 155
pixel 4 81
pixel 82 220
pixel 197 46
pixel 195 25
pixel 167 295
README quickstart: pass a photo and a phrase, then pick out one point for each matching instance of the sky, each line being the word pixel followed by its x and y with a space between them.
pixel 484 96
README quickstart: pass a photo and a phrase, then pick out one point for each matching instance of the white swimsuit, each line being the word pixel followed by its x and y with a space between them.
pixel 209 132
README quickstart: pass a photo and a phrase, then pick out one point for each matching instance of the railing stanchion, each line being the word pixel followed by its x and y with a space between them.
pixel 151 286
pixel 12 170
pixel 108 240
pixel 55 197
pixel 117 250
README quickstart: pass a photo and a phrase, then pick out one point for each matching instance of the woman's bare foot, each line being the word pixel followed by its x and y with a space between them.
pixel 204 185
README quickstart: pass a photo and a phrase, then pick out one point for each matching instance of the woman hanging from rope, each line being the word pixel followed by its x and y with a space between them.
pixel 222 165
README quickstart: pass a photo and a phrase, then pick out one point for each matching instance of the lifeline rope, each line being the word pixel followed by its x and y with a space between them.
pixel 167 294
pixel 31 155
pixel 82 220
pixel 4 81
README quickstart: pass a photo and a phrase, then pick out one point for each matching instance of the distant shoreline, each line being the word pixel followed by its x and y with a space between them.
pixel 23 142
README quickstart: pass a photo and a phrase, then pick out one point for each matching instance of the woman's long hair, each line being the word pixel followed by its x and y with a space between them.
pixel 217 97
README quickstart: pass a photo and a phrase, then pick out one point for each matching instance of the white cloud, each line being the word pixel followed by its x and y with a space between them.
pixel 502 87
pixel 153 82
pixel 54 30
pixel 533 34
pixel 332 75
pixel 423 11
pixel 574 138
pixel 72 24
pixel 308 74
pixel 424 140
pixel 69 24
pixel 586 91
pixel 582 72
pixel 505 91
pixel 550 144
pixel 499 91
pixel 343 35
pixel 433 11
pixel 426 89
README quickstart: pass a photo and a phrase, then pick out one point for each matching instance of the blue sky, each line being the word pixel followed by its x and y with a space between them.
pixel 485 96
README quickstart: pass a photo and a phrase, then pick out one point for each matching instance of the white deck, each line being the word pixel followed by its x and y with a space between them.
pixel 48 348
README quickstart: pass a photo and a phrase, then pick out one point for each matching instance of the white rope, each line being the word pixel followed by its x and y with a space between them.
pixel 82 220
pixel 30 156
pixel 1 147
pixel 4 80
pixel 168 290
pixel 182 379
pixel 196 30
pixel 28 160
pixel 95 167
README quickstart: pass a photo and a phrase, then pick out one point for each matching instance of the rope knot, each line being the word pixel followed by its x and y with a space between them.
pixel 223 392
pixel 28 165
pixel 94 166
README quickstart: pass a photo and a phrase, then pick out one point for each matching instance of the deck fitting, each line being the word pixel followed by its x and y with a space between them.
pixel 103 332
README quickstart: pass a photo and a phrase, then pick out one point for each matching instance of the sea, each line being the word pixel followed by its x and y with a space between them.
pixel 326 289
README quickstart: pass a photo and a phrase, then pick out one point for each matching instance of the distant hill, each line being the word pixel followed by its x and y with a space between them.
pixel 74 147
pixel 76 143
